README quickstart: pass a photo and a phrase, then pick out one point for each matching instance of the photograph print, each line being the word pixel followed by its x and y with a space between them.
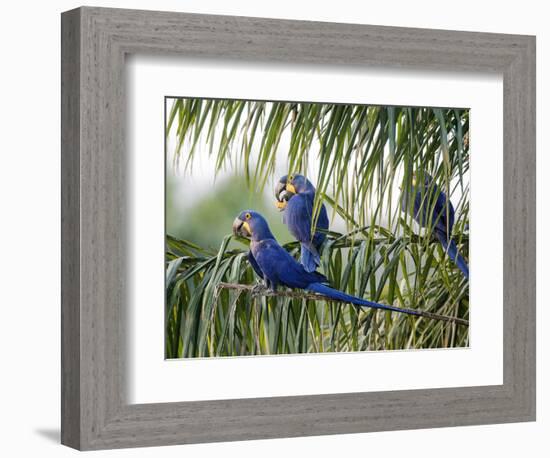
pixel 305 227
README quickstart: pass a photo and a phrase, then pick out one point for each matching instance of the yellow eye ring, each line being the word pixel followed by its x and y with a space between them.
pixel 248 216
pixel 291 178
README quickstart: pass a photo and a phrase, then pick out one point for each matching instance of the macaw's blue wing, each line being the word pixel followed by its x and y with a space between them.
pixel 322 223
pixel 432 208
pixel 280 268
pixel 443 213
pixel 442 218
pixel 255 265
pixel 298 218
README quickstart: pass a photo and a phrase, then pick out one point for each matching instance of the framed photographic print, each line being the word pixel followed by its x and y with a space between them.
pixel 361 241
pixel 286 228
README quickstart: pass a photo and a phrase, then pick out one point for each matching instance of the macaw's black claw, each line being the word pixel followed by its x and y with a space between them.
pixel 259 289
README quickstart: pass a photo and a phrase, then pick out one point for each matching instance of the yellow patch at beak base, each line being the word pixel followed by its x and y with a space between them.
pixel 281 205
pixel 247 227
pixel 290 188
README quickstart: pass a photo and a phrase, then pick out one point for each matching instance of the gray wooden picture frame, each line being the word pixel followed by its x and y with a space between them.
pixel 95 41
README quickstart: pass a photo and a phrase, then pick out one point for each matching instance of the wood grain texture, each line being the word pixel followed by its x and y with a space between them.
pixel 70 229
pixel 95 411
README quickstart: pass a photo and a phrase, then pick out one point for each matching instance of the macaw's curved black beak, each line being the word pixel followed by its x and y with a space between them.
pixel 279 188
pixel 282 195
pixel 241 228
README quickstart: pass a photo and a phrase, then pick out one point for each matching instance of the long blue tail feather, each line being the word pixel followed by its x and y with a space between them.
pixel 452 250
pixel 458 259
pixel 341 296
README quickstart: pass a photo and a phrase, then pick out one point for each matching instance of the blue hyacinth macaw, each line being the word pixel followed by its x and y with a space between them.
pixel 432 208
pixel 295 196
pixel 277 267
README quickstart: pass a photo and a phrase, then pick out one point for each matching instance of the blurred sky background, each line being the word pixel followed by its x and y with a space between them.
pixel 201 205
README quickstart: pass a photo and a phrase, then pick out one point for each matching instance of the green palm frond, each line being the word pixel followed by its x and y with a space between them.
pixel 360 157
pixel 360 150
pixel 202 321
